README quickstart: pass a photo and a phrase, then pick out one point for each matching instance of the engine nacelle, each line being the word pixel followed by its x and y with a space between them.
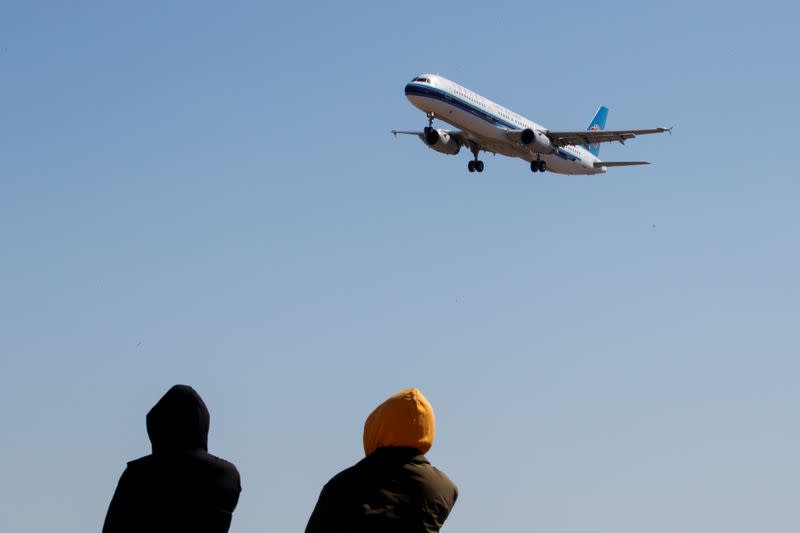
pixel 536 141
pixel 441 141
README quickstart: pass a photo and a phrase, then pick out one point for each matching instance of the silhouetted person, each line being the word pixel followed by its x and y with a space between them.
pixel 180 487
pixel 394 489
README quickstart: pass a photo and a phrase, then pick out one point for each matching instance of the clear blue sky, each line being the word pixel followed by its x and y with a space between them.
pixel 201 193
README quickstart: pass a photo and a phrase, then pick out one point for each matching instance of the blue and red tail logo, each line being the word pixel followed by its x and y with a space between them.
pixel 598 123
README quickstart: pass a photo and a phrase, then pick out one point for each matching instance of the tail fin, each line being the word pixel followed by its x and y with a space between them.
pixel 597 123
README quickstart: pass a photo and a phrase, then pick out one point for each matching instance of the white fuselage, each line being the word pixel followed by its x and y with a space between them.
pixel 487 123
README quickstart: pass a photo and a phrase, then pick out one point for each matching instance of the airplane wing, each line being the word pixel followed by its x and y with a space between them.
pixel 461 138
pixel 574 138
pixel 457 135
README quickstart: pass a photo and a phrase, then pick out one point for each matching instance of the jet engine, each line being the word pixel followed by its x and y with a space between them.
pixel 536 141
pixel 441 141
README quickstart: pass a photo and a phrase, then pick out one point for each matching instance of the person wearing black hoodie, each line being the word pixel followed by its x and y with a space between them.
pixel 180 487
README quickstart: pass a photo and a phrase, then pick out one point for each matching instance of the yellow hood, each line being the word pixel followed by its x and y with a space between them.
pixel 405 419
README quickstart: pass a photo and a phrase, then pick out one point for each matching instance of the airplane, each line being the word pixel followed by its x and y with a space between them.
pixel 489 127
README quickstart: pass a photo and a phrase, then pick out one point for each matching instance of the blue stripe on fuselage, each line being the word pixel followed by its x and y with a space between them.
pixel 563 154
pixel 412 89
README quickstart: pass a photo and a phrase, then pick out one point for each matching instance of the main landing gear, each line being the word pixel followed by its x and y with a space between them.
pixel 538 166
pixel 475 164
pixel 429 128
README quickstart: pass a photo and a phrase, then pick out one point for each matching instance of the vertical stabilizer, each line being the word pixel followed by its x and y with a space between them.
pixel 597 123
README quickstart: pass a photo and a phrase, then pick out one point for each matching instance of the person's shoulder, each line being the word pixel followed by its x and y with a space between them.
pixel 217 464
pixel 348 477
pixel 347 474
pixel 434 479
pixel 140 465
pixel 137 471
pixel 193 460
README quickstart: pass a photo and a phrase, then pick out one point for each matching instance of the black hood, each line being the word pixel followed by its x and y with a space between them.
pixel 179 421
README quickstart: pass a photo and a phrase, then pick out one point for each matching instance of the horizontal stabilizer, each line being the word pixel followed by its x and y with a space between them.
pixel 601 164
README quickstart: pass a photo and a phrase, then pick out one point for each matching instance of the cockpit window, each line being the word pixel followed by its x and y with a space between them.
pixel 423 80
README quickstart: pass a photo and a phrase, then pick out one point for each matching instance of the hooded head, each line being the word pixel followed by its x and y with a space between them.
pixel 404 420
pixel 179 421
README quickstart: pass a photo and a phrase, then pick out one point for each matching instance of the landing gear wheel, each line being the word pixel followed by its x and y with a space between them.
pixel 471 166
pixel 431 136
pixel 534 166
pixel 542 166
pixel 479 166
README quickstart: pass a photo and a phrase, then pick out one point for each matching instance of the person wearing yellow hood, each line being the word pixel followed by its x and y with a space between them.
pixel 394 488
